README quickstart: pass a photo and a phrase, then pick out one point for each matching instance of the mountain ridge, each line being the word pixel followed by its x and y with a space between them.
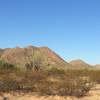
pixel 80 64
pixel 21 56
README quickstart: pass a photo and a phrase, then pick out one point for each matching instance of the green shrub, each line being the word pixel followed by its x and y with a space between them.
pixel 6 66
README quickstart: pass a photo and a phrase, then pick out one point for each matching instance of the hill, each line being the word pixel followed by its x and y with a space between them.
pixel 31 55
pixel 97 66
pixel 79 64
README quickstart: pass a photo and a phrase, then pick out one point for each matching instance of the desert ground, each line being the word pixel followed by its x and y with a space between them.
pixel 93 94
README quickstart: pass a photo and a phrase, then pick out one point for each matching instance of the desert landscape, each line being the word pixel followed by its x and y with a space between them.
pixel 49 49
pixel 38 73
pixel 93 94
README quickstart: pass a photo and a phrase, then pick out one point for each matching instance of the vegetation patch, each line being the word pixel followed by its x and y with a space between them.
pixel 49 82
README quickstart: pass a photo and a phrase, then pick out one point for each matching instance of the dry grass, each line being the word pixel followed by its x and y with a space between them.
pixel 51 82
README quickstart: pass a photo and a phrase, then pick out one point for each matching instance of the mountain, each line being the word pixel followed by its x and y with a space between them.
pixel 79 64
pixel 36 55
pixel 97 66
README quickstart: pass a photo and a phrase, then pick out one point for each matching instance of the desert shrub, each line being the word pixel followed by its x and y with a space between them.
pixel 64 86
pixel 67 84
pixel 7 84
pixel 29 66
pixel 35 64
pixel 6 66
pixel 74 88
pixel 51 82
pixel 56 71
pixel 94 76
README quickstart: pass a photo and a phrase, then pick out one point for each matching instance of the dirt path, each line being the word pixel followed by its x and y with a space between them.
pixel 94 94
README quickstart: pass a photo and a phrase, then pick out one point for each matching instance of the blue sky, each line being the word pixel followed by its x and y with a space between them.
pixel 69 27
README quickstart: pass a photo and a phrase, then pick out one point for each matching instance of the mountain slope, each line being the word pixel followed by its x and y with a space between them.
pixel 79 64
pixel 97 66
pixel 41 55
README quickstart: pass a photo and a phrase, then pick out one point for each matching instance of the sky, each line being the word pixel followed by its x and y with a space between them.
pixel 69 27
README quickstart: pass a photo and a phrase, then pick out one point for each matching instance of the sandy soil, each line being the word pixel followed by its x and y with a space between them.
pixel 94 94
